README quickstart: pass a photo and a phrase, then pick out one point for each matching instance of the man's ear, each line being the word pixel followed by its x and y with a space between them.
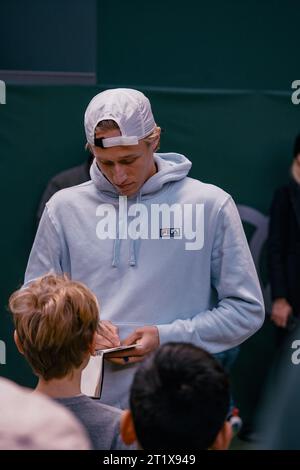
pixel 155 144
pixel 127 428
pixel 18 342
pixel 224 437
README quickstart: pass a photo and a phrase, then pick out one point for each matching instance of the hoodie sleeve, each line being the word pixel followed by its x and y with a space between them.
pixel 239 311
pixel 45 254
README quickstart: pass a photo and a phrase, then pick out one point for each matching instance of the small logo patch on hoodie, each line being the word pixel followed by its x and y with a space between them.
pixel 169 232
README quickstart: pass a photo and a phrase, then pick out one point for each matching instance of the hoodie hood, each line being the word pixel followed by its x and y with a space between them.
pixel 170 166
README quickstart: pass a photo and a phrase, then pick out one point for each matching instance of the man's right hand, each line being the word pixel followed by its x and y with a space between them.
pixel 107 336
pixel 281 310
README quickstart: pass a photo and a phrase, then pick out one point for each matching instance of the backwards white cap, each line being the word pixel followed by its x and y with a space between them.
pixel 130 109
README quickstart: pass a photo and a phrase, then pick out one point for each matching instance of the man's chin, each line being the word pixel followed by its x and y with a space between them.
pixel 128 192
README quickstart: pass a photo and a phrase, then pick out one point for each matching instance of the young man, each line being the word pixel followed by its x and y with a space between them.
pixel 166 253
pixel 56 321
pixel 179 399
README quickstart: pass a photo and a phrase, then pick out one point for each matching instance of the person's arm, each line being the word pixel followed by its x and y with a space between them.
pixel 239 311
pixel 52 187
pixel 277 245
pixel 46 253
pixel 281 311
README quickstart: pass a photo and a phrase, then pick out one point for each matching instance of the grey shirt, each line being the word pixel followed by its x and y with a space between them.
pixel 102 422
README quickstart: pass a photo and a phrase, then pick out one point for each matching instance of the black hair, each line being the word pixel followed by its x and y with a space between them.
pixel 179 398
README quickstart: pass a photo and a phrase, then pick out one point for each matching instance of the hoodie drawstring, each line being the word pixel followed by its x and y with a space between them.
pixel 132 257
pixel 119 230
pixel 170 167
pixel 116 256
pixel 132 245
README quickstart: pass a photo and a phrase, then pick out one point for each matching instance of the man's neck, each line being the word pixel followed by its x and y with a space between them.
pixel 61 388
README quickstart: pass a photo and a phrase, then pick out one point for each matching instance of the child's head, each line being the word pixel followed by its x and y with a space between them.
pixel 55 320
pixel 179 399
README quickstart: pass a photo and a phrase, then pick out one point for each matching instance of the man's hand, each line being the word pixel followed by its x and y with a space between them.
pixel 107 336
pixel 147 338
pixel 281 310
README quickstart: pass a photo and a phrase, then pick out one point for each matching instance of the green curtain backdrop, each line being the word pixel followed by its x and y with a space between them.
pixel 241 141
pixel 48 35
pixel 249 44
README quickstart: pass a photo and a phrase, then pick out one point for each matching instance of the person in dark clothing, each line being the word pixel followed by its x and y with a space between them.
pixel 284 248
pixel 65 179
pixel 179 399
pixel 279 415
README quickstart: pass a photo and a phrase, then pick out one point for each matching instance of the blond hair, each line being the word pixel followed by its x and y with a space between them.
pixel 155 135
pixel 55 319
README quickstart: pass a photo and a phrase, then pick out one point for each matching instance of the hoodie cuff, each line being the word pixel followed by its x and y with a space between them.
pixel 167 333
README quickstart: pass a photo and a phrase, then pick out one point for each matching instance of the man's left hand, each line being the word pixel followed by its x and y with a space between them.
pixel 147 338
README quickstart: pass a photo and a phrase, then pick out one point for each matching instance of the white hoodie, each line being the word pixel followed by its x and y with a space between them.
pixel 209 296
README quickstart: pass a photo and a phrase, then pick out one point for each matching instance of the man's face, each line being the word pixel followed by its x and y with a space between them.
pixel 126 167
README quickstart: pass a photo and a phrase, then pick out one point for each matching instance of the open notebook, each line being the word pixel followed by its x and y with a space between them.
pixel 92 375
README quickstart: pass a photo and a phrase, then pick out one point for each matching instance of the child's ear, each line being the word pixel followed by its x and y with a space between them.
pixel 127 428
pixel 92 346
pixel 224 437
pixel 18 342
